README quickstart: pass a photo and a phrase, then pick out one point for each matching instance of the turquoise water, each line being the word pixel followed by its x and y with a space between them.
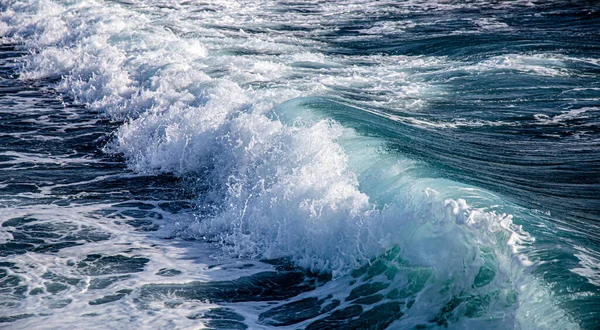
pixel 319 165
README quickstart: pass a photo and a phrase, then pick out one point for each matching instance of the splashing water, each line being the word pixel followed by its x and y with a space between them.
pixel 344 164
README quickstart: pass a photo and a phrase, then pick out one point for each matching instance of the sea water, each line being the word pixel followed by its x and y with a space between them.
pixel 258 164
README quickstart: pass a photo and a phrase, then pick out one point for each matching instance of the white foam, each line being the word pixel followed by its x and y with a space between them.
pixel 564 116
pixel 534 64
pixel 491 24
pixel 201 108
pixel 191 259
pixel 287 186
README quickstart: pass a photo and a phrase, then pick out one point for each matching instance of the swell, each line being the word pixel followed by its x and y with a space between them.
pixel 310 179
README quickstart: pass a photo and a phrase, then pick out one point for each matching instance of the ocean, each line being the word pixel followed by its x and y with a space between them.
pixel 254 164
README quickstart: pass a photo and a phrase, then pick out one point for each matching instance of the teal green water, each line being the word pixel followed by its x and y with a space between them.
pixel 319 165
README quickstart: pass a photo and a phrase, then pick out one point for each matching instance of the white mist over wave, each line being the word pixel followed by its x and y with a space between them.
pixel 197 92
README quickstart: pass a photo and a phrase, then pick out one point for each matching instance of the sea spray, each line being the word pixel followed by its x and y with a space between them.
pixel 321 183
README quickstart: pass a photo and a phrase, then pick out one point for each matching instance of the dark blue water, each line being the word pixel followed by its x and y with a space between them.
pixel 318 165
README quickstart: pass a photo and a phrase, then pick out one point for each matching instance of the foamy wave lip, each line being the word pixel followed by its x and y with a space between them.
pixel 270 188
pixel 275 189
pixel 290 194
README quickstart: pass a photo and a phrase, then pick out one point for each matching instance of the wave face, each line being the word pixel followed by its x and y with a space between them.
pixel 433 164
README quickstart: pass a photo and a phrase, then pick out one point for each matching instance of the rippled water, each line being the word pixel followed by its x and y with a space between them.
pixel 322 164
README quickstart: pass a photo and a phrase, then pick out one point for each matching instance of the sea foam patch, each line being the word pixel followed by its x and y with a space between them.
pixel 198 102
